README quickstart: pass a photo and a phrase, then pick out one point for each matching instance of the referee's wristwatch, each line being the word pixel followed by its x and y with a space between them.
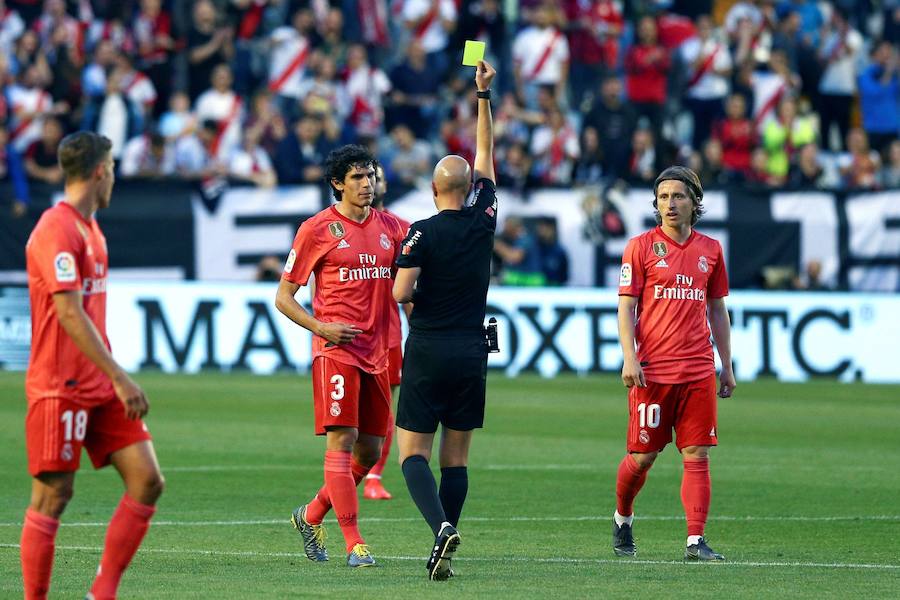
pixel 485 94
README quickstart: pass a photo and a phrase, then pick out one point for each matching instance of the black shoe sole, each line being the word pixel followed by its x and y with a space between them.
pixel 625 553
pixel 440 570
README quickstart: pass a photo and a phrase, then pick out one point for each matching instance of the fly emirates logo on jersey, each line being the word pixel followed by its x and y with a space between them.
pixel 368 269
pixel 681 291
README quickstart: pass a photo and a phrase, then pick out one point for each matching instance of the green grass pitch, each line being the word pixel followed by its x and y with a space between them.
pixel 805 498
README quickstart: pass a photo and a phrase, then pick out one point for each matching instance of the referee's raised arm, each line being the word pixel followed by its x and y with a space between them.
pixel 484 133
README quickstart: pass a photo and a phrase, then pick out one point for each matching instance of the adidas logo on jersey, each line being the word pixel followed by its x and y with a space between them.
pixel 712 432
pixel 343 244
pixel 662 263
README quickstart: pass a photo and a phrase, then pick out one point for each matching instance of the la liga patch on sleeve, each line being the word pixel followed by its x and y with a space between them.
pixel 64 266
pixel 625 275
pixel 289 263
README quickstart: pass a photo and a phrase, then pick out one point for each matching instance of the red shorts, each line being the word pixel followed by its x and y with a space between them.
pixel 395 364
pixel 346 396
pixel 57 428
pixel 688 408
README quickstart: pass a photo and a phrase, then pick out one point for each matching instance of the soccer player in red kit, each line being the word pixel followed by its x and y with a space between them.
pixel 672 290
pixel 374 490
pixel 350 249
pixel 78 396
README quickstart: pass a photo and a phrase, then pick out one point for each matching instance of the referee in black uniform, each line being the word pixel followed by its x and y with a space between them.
pixel 444 270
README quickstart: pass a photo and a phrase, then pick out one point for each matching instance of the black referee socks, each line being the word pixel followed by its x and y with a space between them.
pixel 454 487
pixel 423 490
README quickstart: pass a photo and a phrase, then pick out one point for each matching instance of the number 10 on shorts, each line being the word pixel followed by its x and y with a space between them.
pixel 649 415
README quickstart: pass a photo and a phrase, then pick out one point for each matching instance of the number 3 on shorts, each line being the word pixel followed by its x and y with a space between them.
pixel 338 382
pixel 649 415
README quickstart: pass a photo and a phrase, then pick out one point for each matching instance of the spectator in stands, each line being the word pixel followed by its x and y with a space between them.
pixel 29 105
pixel 65 61
pixel 514 168
pixel 269 269
pixel 770 86
pixel 251 163
pixel 430 23
pixel 41 163
pixel 554 259
pixel 541 57
pixel 148 155
pixel 890 173
pixel 114 116
pixel 223 105
pixel 712 170
pixel 195 154
pixel 331 41
pixel 838 54
pixel 759 174
pixel 736 135
pixel 879 90
pixel 589 167
pixel 209 43
pixel 751 41
pixel 300 154
pixel 55 22
pixel 27 53
pixel 408 160
pixel 289 57
pixel 520 257
pixel 483 20
pixel 12 172
pixel 414 94
pixel 11 27
pixel 155 47
pixel 811 281
pixel 593 30
pixel 709 67
pixel 643 164
pixel 555 149
pixel 138 91
pixel 513 122
pixel 783 135
pixel 93 82
pixel 859 166
pixel 178 121
pixel 265 122
pixel 646 67
pixel 808 171
pixel 365 87
pixel 614 121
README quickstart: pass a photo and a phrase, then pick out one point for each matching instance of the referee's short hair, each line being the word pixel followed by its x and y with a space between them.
pixel 340 161
pixel 690 180
pixel 80 153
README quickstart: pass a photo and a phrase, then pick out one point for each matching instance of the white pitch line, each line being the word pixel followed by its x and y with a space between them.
pixel 318 468
pixel 519 559
pixel 749 518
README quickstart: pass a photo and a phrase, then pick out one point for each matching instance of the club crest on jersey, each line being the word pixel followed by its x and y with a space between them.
pixel 335 409
pixel 660 249
pixel 384 241
pixel 337 229
pixel 66 453
pixel 644 437
pixel 625 275
pixel 289 263
pixel 702 264
pixel 64 265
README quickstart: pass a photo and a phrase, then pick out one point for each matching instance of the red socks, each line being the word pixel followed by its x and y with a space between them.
pixel 320 505
pixel 629 482
pixel 378 469
pixel 695 494
pixel 127 527
pixel 38 535
pixel 340 483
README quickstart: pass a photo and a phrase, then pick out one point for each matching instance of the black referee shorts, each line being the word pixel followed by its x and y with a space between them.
pixel 443 382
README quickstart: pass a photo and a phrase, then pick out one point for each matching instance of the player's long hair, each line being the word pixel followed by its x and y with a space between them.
pixel 339 162
pixel 690 181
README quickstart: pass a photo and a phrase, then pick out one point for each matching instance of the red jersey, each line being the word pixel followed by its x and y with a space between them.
pixel 738 139
pixel 354 268
pixel 65 252
pixel 395 337
pixel 647 69
pixel 673 283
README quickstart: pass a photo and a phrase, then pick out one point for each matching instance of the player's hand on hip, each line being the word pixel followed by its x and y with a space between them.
pixel 338 333
pixel 727 383
pixel 132 396
pixel 484 75
pixel 633 374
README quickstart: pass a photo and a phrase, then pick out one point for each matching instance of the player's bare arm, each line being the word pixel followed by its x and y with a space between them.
pixel 484 132
pixel 720 326
pixel 632 373
pixel 286 303
pixel 405 284
pixel 80 328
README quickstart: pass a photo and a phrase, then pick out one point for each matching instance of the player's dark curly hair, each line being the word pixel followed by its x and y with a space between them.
pixel 341 161
pixel 690 180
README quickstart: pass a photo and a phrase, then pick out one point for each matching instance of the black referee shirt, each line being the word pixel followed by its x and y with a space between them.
pixel 454 249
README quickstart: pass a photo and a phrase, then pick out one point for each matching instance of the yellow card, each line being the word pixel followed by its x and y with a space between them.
pixel 472 53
